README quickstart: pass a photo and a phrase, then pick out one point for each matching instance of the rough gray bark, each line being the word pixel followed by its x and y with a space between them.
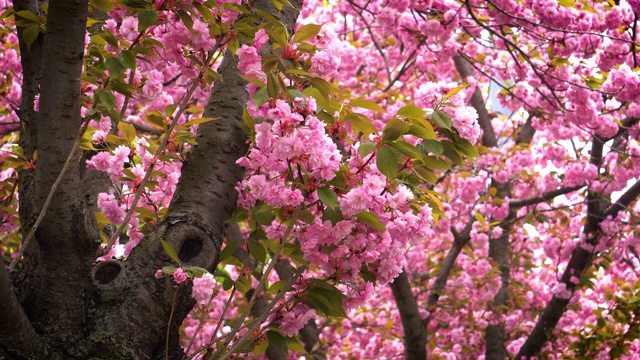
pixel 17 336
pixel 67 234
pixel 61 306
pixel 415 333
pixel 31 66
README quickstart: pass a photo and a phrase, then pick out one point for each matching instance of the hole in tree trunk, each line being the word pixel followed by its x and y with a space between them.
pixel 107 273
pixel 190 249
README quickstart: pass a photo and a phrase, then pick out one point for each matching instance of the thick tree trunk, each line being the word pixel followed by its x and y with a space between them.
pixel 62 305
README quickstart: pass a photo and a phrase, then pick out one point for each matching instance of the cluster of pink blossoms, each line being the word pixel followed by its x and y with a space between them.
pixel 291 157
pixel 136 160
pixel 464 118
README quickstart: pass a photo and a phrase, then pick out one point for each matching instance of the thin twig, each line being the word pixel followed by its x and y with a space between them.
pixel 201 321
pixel 173 308
pixel 65 167
pixel 159 152
pixel 274 259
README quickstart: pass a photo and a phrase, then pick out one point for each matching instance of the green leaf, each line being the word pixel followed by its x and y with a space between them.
pixel 30 34
pixel 306 32
pixel 228 250
pixel 411 111
pixel 323 86
pixel 277 36
pixel 196 271
pixel 107 98
pixel 329 105
pixel 326 298
pixel 371 219
pixel 260 347
pixel 424 173
pixel 273 88
pixel 128 130
pixel 441 119
pixel 236 7
pixel 436 163
pixel 270 18
pixel 306 216
pixel 333 215
pixel 186 19
pixel 28 15
pixel 108 36
pixel 257 250
pixel 454 91
pixel 365 148
pixel 297 72
pixel 227 284
pixel 127 59
pixel 275 338
pixel 243 284
pixel 104 5
pixel 146 18
pixel 263 214
pixel 116 70
pixel 432 146
pixel 156 118
pixel 277 287
pixel 422 132
pixel 134 4
pixel 170 251
pixel 360 124
pixel 387 162
pixel 366 104
pixel 394 129
pixel 259 83
pixel 122 87
pixel 407 149
pixel 198 121
pixel 101 219
pixel 296 345
pixel 169 269
pixel 261 97
pixel 328 197
pixel 452 153
pixel 466 148
pixel 7 14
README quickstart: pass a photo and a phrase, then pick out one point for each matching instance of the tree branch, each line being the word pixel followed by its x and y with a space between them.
pixel 17 337
pixel 544 197
pixel 477 101
pixel 67 234
pixel 580 260
pixel 415 332
pixel 31 61
pixel 259 307
pixel 309 334
pixel 459 242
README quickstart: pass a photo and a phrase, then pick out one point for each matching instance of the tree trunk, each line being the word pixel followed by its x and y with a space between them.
pixel 60 304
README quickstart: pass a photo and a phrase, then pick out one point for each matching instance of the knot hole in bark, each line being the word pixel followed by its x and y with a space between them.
pixel 193 242
pixel 107 271
pixel 190 248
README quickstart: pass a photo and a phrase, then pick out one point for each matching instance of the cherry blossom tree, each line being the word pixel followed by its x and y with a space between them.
pixel 328 179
